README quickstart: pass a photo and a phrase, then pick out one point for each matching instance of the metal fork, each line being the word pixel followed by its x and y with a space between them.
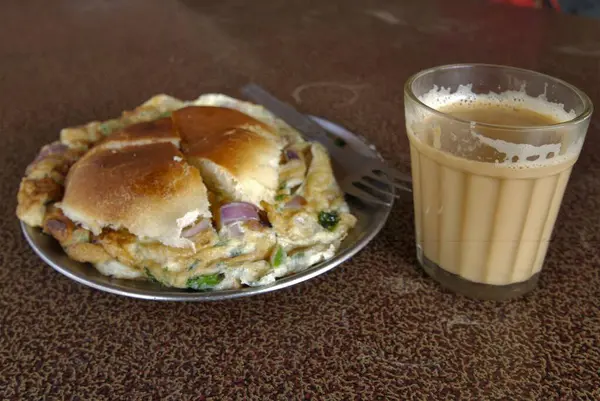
pixel 369 179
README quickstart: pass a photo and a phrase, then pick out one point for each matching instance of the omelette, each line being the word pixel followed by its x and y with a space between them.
pixel 209 194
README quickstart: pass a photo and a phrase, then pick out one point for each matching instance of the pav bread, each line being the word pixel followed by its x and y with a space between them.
pixel 149 190
pixel 238 155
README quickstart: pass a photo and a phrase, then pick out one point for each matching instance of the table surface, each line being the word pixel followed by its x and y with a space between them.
pixel 375 327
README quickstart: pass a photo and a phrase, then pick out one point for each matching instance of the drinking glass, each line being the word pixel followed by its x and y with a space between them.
pixel 487 194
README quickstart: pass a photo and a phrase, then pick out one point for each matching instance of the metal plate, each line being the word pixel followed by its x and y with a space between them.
pixel 371 219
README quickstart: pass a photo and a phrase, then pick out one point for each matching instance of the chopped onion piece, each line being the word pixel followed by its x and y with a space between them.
pixel 238 211
pixel 196 228
pixel 291 154
pixel 296 202
pixel 55 148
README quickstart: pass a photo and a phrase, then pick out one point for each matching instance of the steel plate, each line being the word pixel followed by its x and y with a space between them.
pixel 371 218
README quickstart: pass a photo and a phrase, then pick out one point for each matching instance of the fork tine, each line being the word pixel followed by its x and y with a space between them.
pixel 383 179
pixel 358 193
pixel 377 185
pixel 366 197
pixel 395 175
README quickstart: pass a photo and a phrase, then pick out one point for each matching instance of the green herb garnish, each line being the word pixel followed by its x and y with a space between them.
pixel 283 185
pixel 280 197
pixel 278 257
pixel 164 114
pixel 109 126
pixel 105 129
pixel 236 252
pixel 329 219
pixel 205 282
pixel 150 276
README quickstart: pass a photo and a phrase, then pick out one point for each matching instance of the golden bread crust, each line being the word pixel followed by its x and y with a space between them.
pixel 237 154
pixel 144 189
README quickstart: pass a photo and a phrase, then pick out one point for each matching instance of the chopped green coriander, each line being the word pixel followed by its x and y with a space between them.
pixel 105 129
pixel 278 257
pixel 109 126
pixel 235 252
pixel 150 275
pixel 205 282
pixel 164 114
pixel 283 185
pixel 280 197
pixel 329 219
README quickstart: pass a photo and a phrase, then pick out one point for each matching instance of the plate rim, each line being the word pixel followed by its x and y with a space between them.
pixel 196 296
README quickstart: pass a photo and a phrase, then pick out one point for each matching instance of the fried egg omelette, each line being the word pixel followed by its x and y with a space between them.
pixel 209 194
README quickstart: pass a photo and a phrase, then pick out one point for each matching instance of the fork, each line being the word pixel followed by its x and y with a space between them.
pixel 370 179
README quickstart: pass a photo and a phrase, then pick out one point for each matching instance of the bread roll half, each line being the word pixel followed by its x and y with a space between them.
pixel 149 190
pixel 257 112
pixel 237 154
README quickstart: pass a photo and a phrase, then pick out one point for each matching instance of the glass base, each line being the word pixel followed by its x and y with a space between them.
pixel 475 290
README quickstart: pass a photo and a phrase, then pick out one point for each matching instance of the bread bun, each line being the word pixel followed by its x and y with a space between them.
pixel 149 190
pixel 284 131
pixel 237 155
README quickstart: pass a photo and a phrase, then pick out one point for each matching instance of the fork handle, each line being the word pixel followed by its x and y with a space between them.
pixel 292 116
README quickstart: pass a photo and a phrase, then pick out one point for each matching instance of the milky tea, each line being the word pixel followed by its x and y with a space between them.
pixel 486 193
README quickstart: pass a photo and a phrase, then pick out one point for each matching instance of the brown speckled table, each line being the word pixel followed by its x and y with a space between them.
pixel 374 328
